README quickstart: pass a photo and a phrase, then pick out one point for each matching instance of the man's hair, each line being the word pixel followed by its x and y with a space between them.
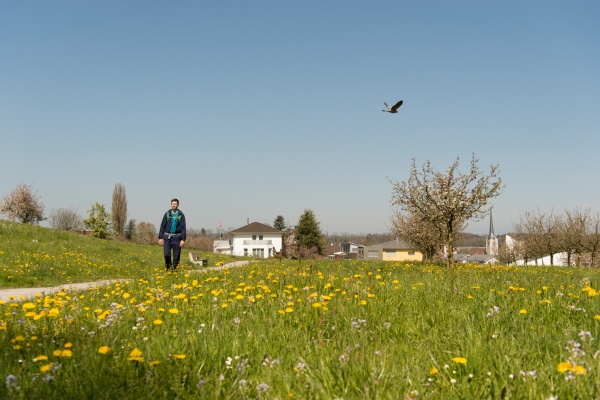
pixel 175 200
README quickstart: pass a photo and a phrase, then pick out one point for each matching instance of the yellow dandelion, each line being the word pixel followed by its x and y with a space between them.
pixel 157 322
pixel 57 353
pixel 154 363
pixel 564 367
pixel 46 367
pixel 460 360
pixel 316 305
pixel 68 345
pixel 363 302
pixel 40 358
pixel 224 305
pixel 597 317
pixel 289 310
pixel 103 349
pixel 433 371
pixel 179 356
pixel 174 311
pixel 66 353
pixel 53 312
pixel 523 311
pixel 135 352
pixel 578 370
pixel 28 306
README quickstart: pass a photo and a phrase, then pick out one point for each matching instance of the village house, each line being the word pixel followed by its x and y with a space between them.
pixel 395 250
pixel 256 240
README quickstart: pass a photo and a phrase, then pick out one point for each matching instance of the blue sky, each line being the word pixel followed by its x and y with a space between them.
pixel 255 109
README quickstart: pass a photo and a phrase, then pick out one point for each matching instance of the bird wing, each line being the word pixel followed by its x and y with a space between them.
pixel 398 104
pixel 386 104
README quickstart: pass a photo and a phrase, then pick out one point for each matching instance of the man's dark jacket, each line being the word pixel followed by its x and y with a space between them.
pixel 165 225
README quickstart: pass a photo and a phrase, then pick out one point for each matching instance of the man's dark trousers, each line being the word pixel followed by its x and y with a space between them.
pixel 172 243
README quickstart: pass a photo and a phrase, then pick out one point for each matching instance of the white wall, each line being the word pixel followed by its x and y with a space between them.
pixel 237 240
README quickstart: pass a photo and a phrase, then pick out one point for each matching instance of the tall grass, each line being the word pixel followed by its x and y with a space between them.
pixel 316 330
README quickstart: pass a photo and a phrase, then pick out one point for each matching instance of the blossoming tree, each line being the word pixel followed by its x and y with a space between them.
pixel 447 199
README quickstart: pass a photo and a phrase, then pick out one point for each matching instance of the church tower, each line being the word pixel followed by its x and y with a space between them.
pixel 491 242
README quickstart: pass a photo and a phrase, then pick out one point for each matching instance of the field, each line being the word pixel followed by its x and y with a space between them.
pixel 316 329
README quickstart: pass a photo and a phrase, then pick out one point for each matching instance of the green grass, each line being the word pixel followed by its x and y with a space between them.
pixel 32 256
pixel 322 330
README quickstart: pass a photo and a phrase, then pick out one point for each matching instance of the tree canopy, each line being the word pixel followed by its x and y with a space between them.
pixel 447 199
pixel 98 221
pixel 22 204
pixel 308 232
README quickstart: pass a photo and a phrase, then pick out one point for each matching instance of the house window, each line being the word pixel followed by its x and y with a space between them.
pixel 260 253
pixel 253 237
pixel 246 252
pixel 270 254
pixel 260 237
pixel 372 254
pixel 411 253
pixel 390 253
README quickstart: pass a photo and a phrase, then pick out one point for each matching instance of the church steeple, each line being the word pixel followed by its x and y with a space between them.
pixel 491 234
pixel 491 242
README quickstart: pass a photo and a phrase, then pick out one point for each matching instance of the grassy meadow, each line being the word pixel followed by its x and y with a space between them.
pixel 32 256
pixel 311 330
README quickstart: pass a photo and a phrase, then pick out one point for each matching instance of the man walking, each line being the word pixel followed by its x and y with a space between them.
pixel 172 234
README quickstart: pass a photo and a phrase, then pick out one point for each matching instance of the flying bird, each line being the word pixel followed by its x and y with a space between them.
pixel 393 109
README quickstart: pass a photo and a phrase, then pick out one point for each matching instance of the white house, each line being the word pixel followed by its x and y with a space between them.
pixel 560 259
pixel 255 239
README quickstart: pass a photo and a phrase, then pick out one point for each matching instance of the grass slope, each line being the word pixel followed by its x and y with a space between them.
pixel 32 256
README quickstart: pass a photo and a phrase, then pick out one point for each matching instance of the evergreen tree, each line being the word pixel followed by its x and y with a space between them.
pixel 308 232
pixel 130 230
pixel 279 223
pixel 98 221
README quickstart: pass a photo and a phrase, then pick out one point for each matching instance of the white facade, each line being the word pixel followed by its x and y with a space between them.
pixel 559 259
pixel 260 245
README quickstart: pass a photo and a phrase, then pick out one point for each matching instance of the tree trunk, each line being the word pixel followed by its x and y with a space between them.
pixel 450 244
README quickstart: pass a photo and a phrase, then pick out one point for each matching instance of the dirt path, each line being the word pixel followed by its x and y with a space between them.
pixel 26 293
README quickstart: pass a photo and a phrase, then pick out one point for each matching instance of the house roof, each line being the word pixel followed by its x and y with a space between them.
pixel 256 227
pixel 392 244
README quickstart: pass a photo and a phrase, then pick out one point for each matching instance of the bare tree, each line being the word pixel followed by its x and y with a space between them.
pixel 23 204
pixel 447 199
pixel 419 233
pixel 541 234
pixel 66 219
pixel 573 230
pixel 592 239
pixel 119 209
pixel 146 233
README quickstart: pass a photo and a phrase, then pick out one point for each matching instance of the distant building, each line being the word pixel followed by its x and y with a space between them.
pixel 255 239
pixel 349 247
pixel 491 242
pixel 395 250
